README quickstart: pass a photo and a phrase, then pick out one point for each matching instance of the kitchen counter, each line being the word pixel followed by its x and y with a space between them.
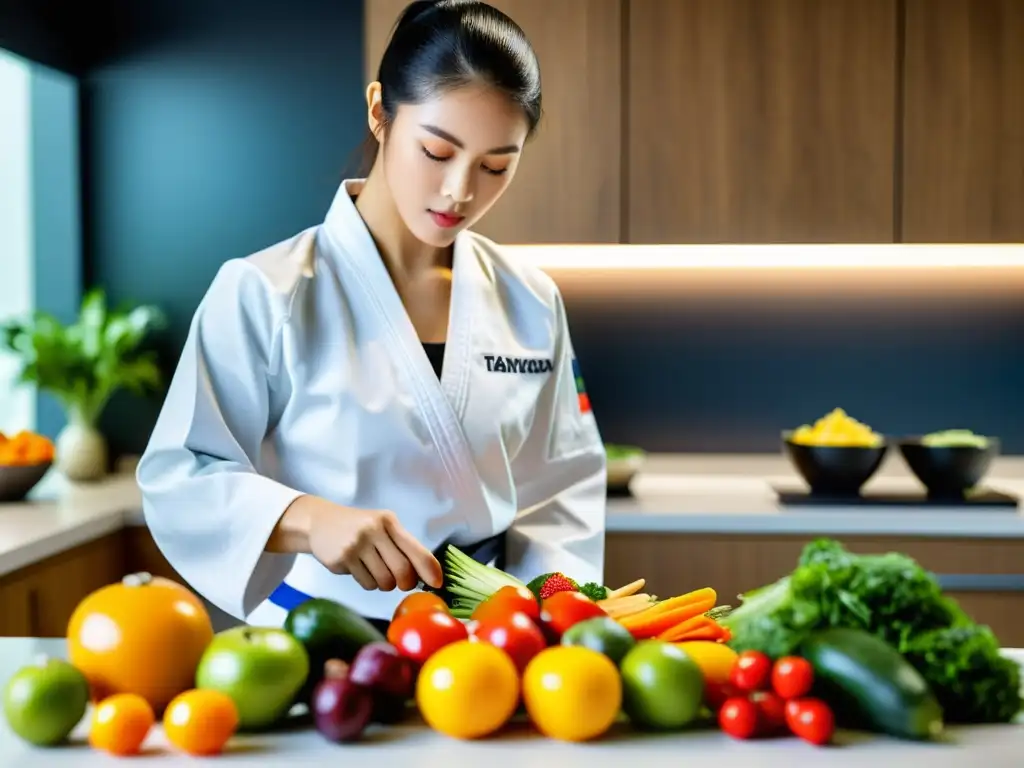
pixel 989 746
pixel 685 494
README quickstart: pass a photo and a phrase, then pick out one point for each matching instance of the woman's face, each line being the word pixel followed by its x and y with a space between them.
pixel 448 160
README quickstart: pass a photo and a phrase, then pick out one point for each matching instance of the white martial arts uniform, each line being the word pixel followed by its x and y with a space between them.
pixel 302 373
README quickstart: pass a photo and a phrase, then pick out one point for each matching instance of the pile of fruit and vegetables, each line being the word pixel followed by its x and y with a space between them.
pixel 866 642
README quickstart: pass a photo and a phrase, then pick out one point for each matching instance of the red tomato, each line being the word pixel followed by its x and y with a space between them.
pixel 515 634
pixel 738 717
pixel 716 694
pixel 509 600
pixel 419 634
pixel 792 677
pixel 811 720
pixel 751 672
pixel 420 601
pixel 563 609
pixel 771 711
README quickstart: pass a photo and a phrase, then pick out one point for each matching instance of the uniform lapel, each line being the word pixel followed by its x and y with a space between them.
pixel 441 403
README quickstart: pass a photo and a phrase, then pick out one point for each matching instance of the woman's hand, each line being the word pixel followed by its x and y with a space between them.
pixel 369 544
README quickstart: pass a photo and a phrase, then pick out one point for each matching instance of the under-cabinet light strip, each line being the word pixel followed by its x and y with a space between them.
pixel 813 257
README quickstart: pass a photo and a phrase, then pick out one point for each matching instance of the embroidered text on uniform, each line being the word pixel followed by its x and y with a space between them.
pixel 501 364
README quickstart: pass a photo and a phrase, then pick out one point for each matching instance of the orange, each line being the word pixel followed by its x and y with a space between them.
pixel 143 635
pixel 24 449
pixel 467 690
pixel 200 722
pixel 572 693
pixel 120 723
pixel 420 601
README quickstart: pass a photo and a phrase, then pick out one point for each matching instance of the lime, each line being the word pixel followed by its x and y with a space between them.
pixel 43 702
pixel 602 634
pixel 662 687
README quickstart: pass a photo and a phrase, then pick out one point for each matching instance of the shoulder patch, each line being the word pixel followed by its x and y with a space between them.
pixel 581 389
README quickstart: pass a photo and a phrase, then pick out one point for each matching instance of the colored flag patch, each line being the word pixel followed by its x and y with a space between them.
pixel 581 389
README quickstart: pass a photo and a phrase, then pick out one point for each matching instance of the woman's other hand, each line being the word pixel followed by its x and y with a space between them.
pixel 370 544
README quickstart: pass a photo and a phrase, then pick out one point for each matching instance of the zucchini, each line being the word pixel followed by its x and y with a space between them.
pixel 870 685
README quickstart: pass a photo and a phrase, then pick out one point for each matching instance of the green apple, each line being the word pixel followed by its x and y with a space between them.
pixel 44 701
pixel 260 668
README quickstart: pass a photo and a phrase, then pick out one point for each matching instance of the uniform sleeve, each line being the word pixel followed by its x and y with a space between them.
pixel 205 501
pixel 561 480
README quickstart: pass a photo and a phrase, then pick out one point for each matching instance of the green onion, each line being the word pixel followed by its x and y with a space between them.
pixel 470 582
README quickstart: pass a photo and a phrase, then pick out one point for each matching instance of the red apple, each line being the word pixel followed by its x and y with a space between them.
pixel 341 709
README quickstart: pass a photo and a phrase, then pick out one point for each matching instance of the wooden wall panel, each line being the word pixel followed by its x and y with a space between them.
pixel 761 120
pixel 963 140
pixel 568 186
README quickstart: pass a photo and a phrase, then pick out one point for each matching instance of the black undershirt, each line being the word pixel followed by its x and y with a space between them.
pixel 435 351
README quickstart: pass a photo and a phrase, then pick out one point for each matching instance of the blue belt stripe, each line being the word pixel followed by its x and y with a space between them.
pixel 288 597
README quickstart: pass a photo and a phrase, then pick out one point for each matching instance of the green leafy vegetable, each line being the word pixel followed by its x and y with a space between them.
pixel 83 364
pixel 594 591
pixel 894 598
pixel 973 682
pixel 468 583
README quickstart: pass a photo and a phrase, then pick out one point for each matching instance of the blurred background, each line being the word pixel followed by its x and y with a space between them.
pixel 143 144
pixel 758 211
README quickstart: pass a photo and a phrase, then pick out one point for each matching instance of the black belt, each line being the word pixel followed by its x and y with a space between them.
pixel 485 551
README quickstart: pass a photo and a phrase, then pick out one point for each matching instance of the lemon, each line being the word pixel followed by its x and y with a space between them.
pixel 572 693
pixel 467 690
pixel 715 660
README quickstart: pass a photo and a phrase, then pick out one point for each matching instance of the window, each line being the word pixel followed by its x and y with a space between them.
pixel 17 404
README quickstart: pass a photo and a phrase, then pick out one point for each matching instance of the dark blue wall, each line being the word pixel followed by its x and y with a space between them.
pixel 218 129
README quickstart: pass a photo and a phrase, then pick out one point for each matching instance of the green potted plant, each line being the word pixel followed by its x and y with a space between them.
pixel 82 365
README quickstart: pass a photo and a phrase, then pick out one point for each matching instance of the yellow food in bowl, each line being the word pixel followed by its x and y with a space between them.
pixel 837 429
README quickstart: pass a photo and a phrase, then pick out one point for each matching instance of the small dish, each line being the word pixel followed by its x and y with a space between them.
pixel 949 470
pixel 624 462
pixel 834 470
pixel 18 480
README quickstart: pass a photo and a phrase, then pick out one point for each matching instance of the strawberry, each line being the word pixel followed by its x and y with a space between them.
pixel 557 582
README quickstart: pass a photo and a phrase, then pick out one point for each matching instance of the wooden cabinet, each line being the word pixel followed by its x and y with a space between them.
pixel 754 121
pixel 568 185
pixel 37 601
pixel 963 135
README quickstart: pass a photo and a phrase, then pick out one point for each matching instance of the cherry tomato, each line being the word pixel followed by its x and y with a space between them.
pixel 716 694
pixel 509 600
pixel 563 609
pixel 792 677
pixel 751 672
pixel 771 709
pixel 738 717
pixel 419 634
pixel 811 720
pixel 516 634
pixel 420 601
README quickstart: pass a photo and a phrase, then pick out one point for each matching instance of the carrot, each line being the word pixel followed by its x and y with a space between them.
pixel 630 589
pixel 626 606
pixel 698 627
pixel 698 596
pixel 655 620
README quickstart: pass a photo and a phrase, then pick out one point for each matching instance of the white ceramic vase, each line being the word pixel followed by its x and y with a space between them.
pixel 81 450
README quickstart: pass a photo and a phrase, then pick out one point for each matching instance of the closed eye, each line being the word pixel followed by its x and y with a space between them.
pixel 438 159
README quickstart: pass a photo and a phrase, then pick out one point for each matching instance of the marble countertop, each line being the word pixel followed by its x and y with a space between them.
pixel 686 494
pixel 414 744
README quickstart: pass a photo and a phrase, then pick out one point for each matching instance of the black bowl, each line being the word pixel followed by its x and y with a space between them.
pixel 834 470
pixel 16 480
pixel 948 470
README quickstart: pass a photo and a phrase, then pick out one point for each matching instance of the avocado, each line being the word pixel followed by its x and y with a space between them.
pixel 328 630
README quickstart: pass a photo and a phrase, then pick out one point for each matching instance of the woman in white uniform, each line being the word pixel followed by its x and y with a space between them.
pixel 351 400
